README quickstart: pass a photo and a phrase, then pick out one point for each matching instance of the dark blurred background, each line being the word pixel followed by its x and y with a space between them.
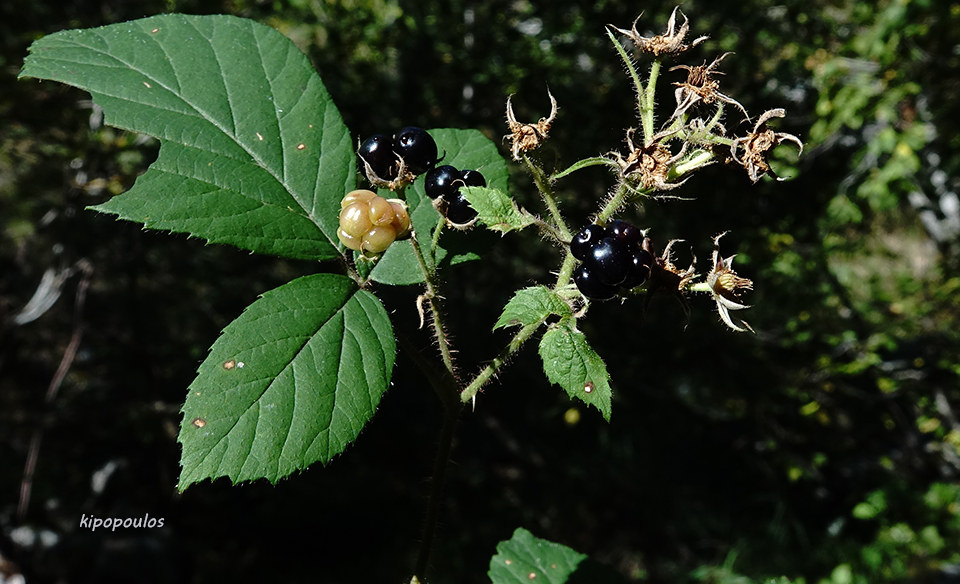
pixel 825 448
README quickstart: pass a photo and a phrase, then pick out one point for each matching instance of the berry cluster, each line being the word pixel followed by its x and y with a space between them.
pixel 443 186
pixel 612 257
pixel 370 223
pixel 411 149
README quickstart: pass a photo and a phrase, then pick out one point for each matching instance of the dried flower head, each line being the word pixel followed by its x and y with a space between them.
pixel 670 42
pixel 701 86
pixel 650 164
pixel 753 150
pixel 726 286
pixel 528 136
pixel 664 274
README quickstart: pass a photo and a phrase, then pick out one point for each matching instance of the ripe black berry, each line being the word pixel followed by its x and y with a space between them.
pixel 639 268
pixel 417 148
pixel 590 286
pixel 610 261
pixel 440 182
pixel 473 178
pixel 583 242
pixel 624 232
pixel 459 210
pixel 377 151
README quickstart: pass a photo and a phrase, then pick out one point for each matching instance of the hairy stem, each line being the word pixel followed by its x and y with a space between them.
pixel 628 61
pixel 617 201
pixel 546 193
pixel 431 296
pixel 646 108
pixel 491 369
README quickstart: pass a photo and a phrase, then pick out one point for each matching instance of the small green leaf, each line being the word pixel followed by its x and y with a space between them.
pixel 530 306
pixel 253 152
pixel 586 162
pixel 496 210
pixel 466 150
pixel 525 558
pixel 290 382
pixel 570 362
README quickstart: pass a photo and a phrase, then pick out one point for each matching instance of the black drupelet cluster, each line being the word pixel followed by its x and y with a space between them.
pixel 443 183
pixel 612 259
pixel 383 153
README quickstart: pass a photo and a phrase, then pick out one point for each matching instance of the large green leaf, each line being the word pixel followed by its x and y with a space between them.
pixel 464 149
pixel 292 381
pixel 253 151
pixel 570 362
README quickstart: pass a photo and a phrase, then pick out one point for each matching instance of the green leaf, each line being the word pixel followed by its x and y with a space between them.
pixel 570 362
pixel 253 151
pixel 530 306
pixel 585 163
pixel 496 210
pixel 290 382
pixel 525 558
pixel 464 149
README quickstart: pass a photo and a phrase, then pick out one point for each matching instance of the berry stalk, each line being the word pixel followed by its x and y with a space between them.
pixel 431 295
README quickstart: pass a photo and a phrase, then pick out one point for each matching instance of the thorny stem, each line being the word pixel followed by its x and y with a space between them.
pixel 546 192
pixel 646 104
pixel 436 235
pixel 491 369
pixel 613 205
pixel 628 61
pixel 431 295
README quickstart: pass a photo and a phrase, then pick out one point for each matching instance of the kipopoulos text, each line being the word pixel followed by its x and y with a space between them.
pixel 93 523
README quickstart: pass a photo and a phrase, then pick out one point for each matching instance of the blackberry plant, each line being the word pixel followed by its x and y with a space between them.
pixel 254 154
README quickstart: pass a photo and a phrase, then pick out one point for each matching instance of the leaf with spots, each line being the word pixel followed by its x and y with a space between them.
pixel 253 152
pixel 570 362
pixel 290 382
pixel 525 558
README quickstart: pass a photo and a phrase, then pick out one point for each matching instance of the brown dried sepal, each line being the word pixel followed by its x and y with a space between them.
pixel 525 137
pixel 671 42
pixel 701 86
pixel 404 176
pixel 753 150
pixel 649 164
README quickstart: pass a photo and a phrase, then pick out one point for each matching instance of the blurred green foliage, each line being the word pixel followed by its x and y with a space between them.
pixel 824 449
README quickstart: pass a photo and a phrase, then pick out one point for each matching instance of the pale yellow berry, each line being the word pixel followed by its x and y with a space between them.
pixel 379 238
pixel 351 242
pixel 381 212
pixel 355 219
pixel 402 221
pixel 357 195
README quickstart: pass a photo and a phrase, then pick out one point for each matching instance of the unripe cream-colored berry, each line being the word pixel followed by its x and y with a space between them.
pixel 356 196
pixel 381 212
pixel 355 219
pixel 402 221
pixel 379 238
pixel 351 242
